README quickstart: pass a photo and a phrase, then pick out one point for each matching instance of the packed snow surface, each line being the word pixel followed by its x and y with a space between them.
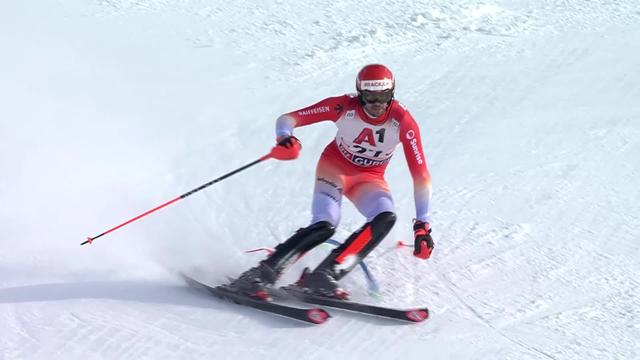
pixel 530 119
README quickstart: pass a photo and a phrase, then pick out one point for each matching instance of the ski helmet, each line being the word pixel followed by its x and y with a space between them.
pixel 375 82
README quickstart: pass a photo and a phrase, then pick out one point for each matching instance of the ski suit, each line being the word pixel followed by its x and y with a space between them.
pixel 354 163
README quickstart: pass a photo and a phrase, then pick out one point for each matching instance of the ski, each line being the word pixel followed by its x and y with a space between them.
pixel 415 315
pixel 314 316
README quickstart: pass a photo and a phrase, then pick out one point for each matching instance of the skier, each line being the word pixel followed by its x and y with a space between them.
pixel 370 125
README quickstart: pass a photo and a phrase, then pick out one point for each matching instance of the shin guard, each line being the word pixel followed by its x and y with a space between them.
pixel 346 256
pixel 299 243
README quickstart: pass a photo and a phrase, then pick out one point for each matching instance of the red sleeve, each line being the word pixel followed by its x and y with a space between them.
pixel 412 146
pixel 328 109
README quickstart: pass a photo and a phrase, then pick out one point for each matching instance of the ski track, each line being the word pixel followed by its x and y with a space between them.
pixel 530 125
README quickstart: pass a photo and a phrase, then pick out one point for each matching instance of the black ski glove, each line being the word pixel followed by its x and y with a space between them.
pixel 287 148
pixel 289 141
pixel 423 243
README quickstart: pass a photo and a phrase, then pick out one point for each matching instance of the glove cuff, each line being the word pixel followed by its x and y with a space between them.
pixel 288 140
pixel 287 149
pixel 422 227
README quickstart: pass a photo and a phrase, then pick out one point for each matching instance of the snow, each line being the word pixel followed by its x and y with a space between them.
pixel 530 121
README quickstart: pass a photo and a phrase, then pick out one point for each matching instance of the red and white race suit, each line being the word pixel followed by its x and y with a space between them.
pixel 354 163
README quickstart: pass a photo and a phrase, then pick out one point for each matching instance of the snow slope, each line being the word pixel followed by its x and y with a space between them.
pixel 530 121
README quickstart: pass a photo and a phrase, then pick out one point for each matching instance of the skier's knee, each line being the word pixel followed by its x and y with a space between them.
pixel 369 236
pixel 302 241
pixel 384 221
pixel 322 228
pixel 331 217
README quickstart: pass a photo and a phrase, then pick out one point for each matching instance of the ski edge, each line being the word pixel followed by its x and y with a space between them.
pixel 314 315
pixel 411 315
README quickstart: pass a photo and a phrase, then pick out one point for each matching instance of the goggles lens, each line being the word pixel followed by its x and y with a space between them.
pixel 381 97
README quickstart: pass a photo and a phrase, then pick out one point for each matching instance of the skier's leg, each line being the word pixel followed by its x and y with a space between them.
pixel 324 279
pixel 327 199
pixel 268 271
pixel 327 192
pixel 374 202
pixel 297 245
pixel 371 200
pixel 325 208
pixel 369 192
pixel 345 257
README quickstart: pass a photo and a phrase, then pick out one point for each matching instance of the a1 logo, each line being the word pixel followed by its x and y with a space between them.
pixel 366 135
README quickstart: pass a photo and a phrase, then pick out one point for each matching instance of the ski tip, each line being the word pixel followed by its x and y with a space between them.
pixel 318 316
pixel 417 315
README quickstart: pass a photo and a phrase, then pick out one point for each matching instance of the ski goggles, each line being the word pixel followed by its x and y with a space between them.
pixel 381 97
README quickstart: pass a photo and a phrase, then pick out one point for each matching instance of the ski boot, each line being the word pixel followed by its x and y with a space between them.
pixel 321 283
pixel 254 281
pixel 324 279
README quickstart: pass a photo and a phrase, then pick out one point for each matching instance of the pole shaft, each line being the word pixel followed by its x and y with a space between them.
pixel 189 193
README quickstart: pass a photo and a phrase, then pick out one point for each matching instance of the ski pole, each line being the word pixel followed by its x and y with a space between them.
pixel 91 239
pixel 401 244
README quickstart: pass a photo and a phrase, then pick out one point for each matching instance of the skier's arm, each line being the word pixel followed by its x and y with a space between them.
pixel 412 146
pixel 320 111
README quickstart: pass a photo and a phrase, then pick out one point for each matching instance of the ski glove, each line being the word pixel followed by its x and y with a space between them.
pixel 423 243
pixel 288 148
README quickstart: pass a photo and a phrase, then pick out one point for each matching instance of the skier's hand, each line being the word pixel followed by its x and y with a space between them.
pixel 423 243
pixel 288 148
